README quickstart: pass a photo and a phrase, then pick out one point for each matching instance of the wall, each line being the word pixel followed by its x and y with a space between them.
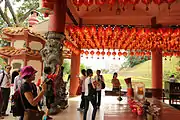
pixel 19 44
pixel 35 45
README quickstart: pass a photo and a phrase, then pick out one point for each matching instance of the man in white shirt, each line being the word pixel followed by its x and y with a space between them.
pixel 82 84
pixel 99 79
pixel 90 86
pixel 172 79
pixel 18 81
pixel 5 88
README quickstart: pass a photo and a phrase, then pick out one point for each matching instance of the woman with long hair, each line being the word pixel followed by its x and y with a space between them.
pixel 99 79
pixel 90 91
pixel 115 82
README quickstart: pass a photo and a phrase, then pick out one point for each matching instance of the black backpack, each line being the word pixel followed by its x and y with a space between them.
pixel 103 85
pixel 91 90
pixel 17 107
pixel 2 77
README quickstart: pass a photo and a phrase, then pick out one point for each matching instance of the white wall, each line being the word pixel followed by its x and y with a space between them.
pixel 35 45
pixel 19 44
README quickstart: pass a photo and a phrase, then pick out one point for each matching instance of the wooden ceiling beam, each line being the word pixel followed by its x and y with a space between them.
pixel 71 16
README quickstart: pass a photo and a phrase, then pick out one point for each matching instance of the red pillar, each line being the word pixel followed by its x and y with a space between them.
pixel 157 73
pixel 75 70
pixel 57 19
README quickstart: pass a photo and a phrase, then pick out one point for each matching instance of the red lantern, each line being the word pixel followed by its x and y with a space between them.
pixel 108 31
pixel 48 7
pixel 123 3
pixel 88 3
pixel 92 52
pixel 82 51
pixel 78 3
pixel 146 2
pixel 114 54
pixel 134 2
pixel 108 53
pixel 117 31
pixel 148 53
pixel 111 2
pixel 93 30
pixel 97 53
pixel 103 53
pixel 124 54
pixel 142 53
pixel 48 4
pixel 158 2
pixel 100 2
pixel 86 53
pixel 119 54
pixel 132 53
pixel 169 3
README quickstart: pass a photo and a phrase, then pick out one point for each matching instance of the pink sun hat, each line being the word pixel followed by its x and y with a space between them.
pixel 27 71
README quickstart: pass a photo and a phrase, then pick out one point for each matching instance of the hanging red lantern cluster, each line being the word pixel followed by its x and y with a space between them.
pixel 100 2
pixel 47 7
pixel 78 3
pixel 119 54
pixel 72 47
pixel 133 39
pixel 147 3
pixel 123 3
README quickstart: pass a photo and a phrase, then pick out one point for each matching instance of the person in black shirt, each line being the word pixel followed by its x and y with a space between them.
pixel 50 91
pixel 30 98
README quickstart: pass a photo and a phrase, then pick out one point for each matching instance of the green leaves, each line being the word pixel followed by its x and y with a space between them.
pixel 134 60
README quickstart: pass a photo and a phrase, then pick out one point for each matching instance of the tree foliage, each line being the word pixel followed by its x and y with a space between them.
pixel 67 66
pixel 134 60
pixel 82 66
pixel 12 15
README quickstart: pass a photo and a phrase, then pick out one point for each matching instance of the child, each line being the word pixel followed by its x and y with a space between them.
pixel 50 91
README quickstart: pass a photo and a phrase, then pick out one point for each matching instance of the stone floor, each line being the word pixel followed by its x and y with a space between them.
pixel 71 112
pixel 111 108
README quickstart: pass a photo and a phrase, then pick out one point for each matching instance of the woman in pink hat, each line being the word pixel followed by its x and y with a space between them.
pixel 30 98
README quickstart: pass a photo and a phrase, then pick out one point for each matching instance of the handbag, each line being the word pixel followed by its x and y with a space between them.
pixel 31 114
pixel 103 85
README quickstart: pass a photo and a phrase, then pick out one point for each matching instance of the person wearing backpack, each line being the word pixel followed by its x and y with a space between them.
pixel 5 88
pixel 90 91
pixel 99 79
pixel 50 91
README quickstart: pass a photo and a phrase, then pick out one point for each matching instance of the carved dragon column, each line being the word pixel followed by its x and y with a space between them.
pixel 52 52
